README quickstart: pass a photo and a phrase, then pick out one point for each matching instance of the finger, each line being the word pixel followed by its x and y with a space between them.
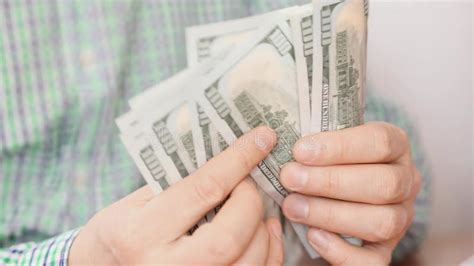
pixel 370 143
pixel 336 251
pixel 367 183
pixel 231 231
pixel 417 183
pixel 386 247
pixel 191 198
pixel 139 197
pixel 257 251
pixel 275 253
pixel 369 222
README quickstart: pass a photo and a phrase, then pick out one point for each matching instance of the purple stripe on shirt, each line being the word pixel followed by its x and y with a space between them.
pixel 17 73
pixel 48 250
pixel 38 66
pixel 63 258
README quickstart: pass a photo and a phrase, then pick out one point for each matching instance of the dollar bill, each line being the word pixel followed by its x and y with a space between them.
pixel 340 48
pixel 205 41
pixel 339 67
pixel 302 32
pixel 201 130
pixel 166 125
pixel 256 85
pixel 143 154
pixel 145 158
pixel 169 123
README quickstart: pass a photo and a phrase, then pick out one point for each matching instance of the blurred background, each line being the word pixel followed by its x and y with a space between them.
pixel 420 56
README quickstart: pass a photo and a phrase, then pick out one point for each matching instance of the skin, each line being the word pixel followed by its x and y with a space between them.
pixel 146 229
pixel 360 182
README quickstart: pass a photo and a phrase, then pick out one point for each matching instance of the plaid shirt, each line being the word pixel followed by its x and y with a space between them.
pixel 66 70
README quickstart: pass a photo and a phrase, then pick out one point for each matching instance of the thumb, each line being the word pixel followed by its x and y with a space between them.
pixel 203 190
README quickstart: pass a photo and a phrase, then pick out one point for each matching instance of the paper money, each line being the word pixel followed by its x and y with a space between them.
pixel 254 86
pixel 167 125
pixel 205 41
pixel 339 66
pixel 295 70
pixel 142 153
pixel 340 43
pixel 302 32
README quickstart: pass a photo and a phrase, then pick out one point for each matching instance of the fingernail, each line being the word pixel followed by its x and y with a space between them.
pixel 276 230
pixel 265 138
pixel 318 239
pixel 296 207
pixel 296 178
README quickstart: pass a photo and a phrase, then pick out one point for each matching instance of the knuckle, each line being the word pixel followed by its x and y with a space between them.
pixel 404 136
pixel 418 180
pixel 392 187
pixel 340 258
pixel 344 149
pixel 226 248
pixel 208 190
pixel 382 143
pixel 243 160
pixel 392 221
pixel 332 182
pixel 329 216
pixel 256 200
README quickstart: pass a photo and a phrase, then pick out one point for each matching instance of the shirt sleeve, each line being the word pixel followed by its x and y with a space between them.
pixel 53 251
pixel 379 110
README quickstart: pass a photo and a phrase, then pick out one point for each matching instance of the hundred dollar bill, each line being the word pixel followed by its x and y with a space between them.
pixel 142 153
pixel 340 49
pixel 177 156
pixel 150 98
pixel 201 130
pixel 168 124
pixel 302 33
pixel 339 68
pixel 204 41
pixel 145 158
pixel 256 85
pixel 208 142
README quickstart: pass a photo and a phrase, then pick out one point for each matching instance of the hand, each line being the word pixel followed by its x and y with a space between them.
pixel 359 182
pixel 146 229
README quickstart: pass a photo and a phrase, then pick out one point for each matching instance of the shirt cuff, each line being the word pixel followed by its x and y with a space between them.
pixel 54 251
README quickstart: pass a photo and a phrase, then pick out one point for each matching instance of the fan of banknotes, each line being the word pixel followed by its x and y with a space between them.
pixel 299 70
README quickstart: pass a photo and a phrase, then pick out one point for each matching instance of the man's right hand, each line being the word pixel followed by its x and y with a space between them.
pixel 146 229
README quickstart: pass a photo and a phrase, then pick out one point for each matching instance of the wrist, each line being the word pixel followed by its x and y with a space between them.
pixel 89 249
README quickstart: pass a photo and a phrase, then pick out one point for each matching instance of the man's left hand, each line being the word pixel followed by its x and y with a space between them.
pixel 359 182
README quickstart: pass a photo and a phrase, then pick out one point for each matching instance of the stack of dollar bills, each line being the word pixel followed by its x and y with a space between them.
pixel 298 70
